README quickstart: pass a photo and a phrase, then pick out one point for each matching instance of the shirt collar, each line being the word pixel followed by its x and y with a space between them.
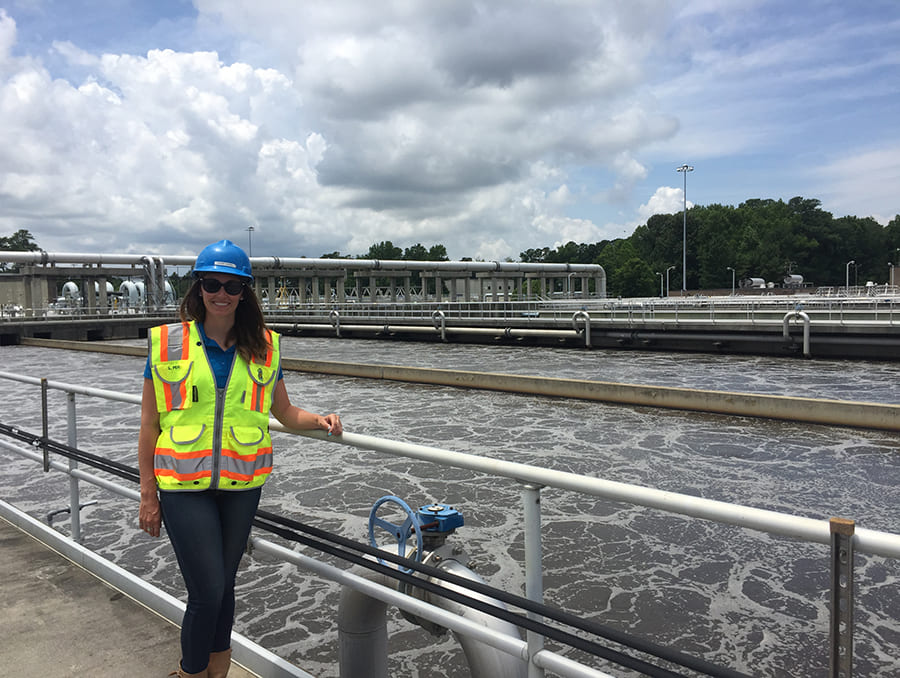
pixel 211 343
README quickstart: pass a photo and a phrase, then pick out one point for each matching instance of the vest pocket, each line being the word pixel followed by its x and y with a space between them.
pixel 173 385
pixel 186 435
pixel 247 435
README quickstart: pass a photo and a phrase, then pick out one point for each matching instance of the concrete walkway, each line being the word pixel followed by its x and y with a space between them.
pixel 60 621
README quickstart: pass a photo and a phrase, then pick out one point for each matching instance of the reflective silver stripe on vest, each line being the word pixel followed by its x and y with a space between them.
pixel 246 467
pixel 175 342
pixel 183 466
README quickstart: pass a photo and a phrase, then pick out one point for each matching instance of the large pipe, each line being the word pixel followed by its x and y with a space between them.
pixel 300 262
pixel 484 661
pixel 362 628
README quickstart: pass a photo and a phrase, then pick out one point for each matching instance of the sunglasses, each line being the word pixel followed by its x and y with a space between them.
pixel 211 285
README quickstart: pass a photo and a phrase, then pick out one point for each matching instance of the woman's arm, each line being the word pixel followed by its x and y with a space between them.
pixel 301 420
pixel 149 516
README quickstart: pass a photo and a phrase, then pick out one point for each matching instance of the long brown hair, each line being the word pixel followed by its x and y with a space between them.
pixel 249 330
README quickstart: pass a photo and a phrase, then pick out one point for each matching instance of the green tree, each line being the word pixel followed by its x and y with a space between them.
pixel 438 253
pixel 384 250
pixel 416 253
pixel 20 241
pixel 534 256
pixel 627 274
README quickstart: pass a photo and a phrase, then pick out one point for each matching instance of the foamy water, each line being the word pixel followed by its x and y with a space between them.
pixel 739 598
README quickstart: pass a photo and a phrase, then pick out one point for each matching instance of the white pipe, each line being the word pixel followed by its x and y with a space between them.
pixel 484 661
pixel 302 263
pixel 362 627
pixel 502 642
pixel 786 332
pixel 362 630
pixel 584 316
pixel 566 667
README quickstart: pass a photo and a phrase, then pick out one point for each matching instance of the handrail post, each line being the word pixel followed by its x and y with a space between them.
pixel 534 582
pixel 74 494
pixel 841 627
pixel 45 425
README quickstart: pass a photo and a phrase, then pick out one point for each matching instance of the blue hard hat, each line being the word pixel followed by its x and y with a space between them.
pixel 223 257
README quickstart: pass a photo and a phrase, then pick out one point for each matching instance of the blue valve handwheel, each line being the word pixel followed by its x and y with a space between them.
pixel 399 532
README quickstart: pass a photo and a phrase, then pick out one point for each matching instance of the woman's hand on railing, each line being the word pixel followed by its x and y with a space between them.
pixel 149 515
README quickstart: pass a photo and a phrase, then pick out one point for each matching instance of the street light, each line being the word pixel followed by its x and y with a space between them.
pixel 729 268
pixel 667 279
pixel 684 169
pixel 847 280
pixel 250 230
pixel 660 284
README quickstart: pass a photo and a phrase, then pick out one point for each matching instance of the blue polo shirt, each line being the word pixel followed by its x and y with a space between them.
pixel 220 361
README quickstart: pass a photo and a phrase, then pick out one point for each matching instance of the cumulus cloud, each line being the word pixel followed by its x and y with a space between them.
pixel 666 200
pixel 487 127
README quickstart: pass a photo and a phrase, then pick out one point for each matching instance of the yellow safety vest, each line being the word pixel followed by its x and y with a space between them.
pixel 210 438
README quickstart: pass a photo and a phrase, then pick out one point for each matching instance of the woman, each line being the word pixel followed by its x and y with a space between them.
pixel 204 449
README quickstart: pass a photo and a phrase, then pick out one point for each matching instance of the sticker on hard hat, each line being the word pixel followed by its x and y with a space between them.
pixel 225 263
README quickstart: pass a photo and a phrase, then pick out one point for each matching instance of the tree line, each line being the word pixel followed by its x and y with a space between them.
pixel 760 238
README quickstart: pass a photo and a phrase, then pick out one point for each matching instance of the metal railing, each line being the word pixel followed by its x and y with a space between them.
pixel 744 309
pixel 841 535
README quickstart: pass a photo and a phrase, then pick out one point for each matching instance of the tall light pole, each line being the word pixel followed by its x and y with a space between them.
pixel 847 280
pixel 729 268
pixel 667 279
pixel 250 230
pixel 660 284
pixel 684 169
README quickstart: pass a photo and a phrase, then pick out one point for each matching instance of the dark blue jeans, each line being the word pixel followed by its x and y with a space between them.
pixel 209 532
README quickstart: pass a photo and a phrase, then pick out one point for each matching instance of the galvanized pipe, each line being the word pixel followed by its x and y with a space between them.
pixel 585 317
pixel 790 315
pixel 277 263
pixel 484 661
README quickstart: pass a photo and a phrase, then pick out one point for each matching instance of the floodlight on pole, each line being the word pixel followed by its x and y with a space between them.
pixel 250 230
pixel 729 268
pixel 660 284
pixel 684 169
pixel 667 279
pixel 847 279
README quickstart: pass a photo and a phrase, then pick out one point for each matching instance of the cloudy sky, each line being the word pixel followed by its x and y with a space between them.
pixel 489 126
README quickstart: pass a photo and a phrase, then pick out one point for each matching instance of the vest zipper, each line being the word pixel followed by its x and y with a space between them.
pixel 218 424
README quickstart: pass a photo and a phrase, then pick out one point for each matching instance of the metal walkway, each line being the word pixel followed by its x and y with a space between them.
pixel 59 620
